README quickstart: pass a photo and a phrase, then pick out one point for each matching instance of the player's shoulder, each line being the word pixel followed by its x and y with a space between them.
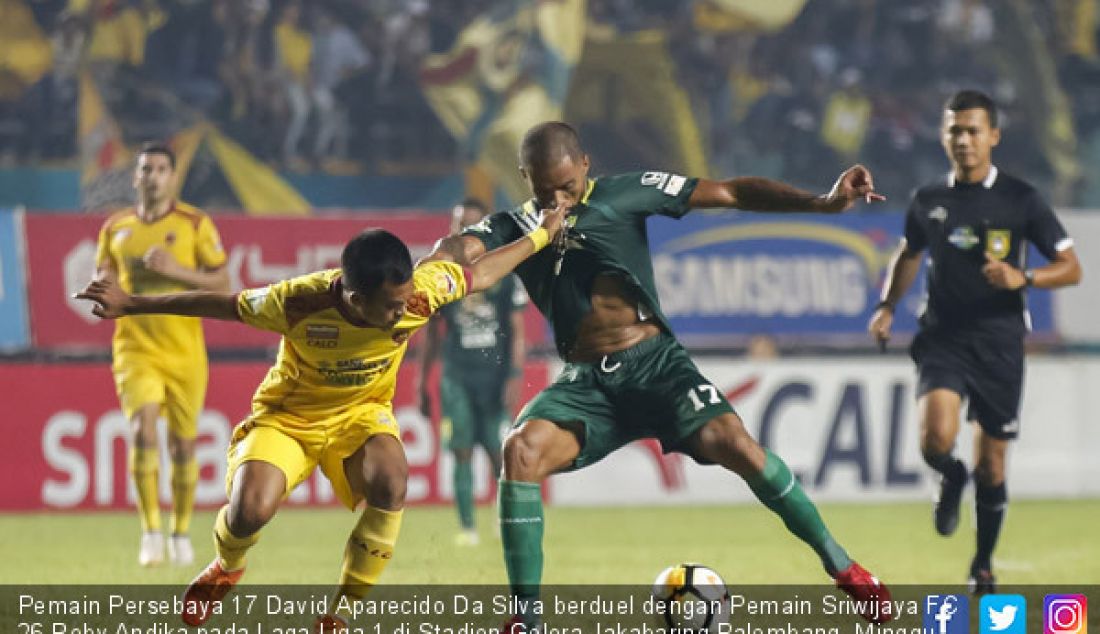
pixel 526 215
pixel 609 185
pixel 626 186
pixel 189 213
pixel 439 277
pixel 119 218
pixel 319 282
pixel 1015 187
pixel 935 188
pixel 308 294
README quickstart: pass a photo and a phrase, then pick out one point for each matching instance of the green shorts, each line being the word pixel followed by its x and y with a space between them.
pixel 652 390
pixel 473 413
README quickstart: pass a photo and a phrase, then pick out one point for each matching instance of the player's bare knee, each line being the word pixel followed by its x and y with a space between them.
pixel 521 457
pixel 464 455
pixel 933 444
pixel 989 472
pixel 387 486
pixel 250 513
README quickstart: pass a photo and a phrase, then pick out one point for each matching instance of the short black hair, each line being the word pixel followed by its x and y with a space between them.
pixel 474 203
pixel 548 143
pixel 373 257
pixel 971 99
pixel 155 147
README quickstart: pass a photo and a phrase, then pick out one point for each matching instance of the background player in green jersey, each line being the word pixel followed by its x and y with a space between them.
pixel 483 357
pixel 626 377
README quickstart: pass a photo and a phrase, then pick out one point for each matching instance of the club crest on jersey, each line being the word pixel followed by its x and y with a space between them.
pixel 998 242
pixel 170 238
pixel 963 238
pixel 400 336
pixel 939 214
pixel 445 284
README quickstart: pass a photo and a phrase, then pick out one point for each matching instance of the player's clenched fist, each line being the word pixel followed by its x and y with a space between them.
pixel 1002 274
pixel 160 261
pixel 111 301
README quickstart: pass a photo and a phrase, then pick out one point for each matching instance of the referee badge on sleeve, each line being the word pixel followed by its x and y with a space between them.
pixel 998 242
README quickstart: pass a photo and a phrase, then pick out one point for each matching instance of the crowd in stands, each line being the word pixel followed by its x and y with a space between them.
pixel 320 84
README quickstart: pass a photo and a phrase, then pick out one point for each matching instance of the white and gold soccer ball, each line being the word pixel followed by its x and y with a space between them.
pixel 691 598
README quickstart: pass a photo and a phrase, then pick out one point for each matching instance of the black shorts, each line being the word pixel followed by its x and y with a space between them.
pixel 987 371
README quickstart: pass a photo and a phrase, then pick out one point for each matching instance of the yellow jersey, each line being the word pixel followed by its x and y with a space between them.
pixel 328 360
pixel 190 236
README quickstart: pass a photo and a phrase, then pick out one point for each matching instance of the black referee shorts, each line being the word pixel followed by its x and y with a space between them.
pixel 988 371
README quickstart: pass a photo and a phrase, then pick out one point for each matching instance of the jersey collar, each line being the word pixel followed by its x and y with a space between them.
pixel 987 183
pixel 171 210
pixel 588 191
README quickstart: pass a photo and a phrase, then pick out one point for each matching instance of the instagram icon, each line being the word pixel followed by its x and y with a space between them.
pixel 1065 614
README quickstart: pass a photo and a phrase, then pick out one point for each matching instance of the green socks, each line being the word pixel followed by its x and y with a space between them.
pixel 780 491
pixel 521 529
pixel 464 493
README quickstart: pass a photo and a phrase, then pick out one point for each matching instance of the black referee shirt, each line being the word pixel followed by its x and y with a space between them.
pixel 959 223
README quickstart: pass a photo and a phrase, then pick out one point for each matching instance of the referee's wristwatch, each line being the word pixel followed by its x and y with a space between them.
pixel 884 304
pixel 1029 277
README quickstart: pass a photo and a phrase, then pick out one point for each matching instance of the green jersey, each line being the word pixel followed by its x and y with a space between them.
pixel 479 331
pixel 606 235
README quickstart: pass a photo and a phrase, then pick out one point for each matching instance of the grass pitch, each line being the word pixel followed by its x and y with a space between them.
pixel 1044 542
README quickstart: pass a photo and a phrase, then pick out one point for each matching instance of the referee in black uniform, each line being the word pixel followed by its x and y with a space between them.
pixel 975 224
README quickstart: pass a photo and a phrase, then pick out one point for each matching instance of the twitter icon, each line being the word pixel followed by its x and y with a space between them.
pixel 1003 614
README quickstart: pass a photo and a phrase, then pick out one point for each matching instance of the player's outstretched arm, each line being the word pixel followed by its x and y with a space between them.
pixel 900 273
pixel 460 249
pixel 764 194
pixel 111 302
pixel 494 265
pixel 160 260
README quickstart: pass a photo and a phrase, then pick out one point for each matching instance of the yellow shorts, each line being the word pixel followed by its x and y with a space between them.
pixel 180 392
pixel 296 445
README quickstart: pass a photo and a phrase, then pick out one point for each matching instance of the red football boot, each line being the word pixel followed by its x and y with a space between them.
pixel 206 590
pixel 869 594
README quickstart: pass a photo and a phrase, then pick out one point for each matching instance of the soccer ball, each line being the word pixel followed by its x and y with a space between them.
pixel 691 598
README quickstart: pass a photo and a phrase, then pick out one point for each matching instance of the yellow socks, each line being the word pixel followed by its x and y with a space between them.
pixel 369 549
pixel 230 548
pixel 184 478
pixel 144 464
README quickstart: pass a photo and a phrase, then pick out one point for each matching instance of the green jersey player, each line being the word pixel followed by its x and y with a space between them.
pixel 483 357
pixel 625 376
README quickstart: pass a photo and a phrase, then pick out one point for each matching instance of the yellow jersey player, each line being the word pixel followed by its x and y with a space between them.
pixel 159 362
pixel 327 400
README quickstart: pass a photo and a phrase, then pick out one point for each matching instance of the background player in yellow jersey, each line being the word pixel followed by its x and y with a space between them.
pixel 159 362
pixel 327 400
